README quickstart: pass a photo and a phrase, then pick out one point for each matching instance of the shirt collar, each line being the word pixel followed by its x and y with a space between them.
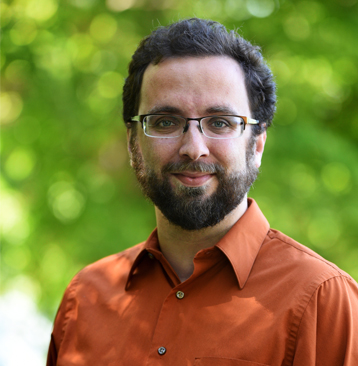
pixel 243 241
pixel 151 245
pixel 240 245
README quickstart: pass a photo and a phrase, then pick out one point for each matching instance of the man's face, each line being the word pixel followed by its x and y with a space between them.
pixel 193 180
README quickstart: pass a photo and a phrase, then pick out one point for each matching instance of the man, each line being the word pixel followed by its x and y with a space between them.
pixel 213 284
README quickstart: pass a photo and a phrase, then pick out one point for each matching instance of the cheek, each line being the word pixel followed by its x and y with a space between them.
pixel 156 153
pixel 231 154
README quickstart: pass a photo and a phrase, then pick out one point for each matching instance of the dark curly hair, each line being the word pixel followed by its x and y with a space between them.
pixel 198 38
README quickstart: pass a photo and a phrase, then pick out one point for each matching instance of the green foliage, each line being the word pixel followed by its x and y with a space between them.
pixel 68 194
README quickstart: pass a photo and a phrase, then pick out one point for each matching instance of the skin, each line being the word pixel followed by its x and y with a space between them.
pixel 195 87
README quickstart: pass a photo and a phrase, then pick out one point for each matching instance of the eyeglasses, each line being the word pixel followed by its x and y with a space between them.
pixel 214 127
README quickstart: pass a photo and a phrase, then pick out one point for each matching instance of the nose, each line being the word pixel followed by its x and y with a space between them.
pixel 193 143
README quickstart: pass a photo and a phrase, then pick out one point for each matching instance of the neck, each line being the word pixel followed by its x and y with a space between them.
pixel 180 246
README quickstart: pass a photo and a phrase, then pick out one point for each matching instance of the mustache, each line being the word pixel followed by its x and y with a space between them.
pixel 193 166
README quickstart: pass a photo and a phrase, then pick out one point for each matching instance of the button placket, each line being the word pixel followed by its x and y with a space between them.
pixel 163 331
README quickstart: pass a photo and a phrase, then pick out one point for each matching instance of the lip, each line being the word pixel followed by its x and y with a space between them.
pixel 193 179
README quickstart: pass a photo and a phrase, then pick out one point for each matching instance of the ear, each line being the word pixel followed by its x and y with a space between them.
pixel 129 145
pixel 260 145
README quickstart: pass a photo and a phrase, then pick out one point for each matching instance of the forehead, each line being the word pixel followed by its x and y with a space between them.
pixel 194 85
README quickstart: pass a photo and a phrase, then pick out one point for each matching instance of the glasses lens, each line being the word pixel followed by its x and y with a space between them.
pixel 222 127
pixel 163 126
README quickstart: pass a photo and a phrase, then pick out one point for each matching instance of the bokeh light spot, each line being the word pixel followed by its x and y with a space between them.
pixel 12 213
pixel 20 164
pixel 302 179
pixel 297 27
pixel 261 8
pixel 17 257
pixel 236 9
pixel 41 10
pixel 23 32
pixel 120 5
pixel 103 28
pixel 5 14
pixel 80 46
pixel 81 49
pixel 66 202
pixel 17 71
pixel 14 224
pixel 53 58
pixel 317 71
pixel 100 104
pixel 336 177
pixel 110 84
pixel 11 106
pixel 53 263
pixel 323 230
pixel 18 233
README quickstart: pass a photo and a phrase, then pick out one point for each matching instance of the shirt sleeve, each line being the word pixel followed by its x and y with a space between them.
pixel 52 353
pixel 328 332
pixel 66 306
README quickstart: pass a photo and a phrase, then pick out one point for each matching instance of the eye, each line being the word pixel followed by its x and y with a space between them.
pixel 159 125
pixel 219 123
pixel 157 121
pixel 165 122
pixel 162 125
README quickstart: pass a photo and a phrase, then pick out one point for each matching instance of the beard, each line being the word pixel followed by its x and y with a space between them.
pixel 188 207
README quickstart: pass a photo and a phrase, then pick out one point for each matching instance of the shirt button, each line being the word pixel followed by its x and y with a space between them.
pixel 161 350
pixel 180 294
pixel 150 255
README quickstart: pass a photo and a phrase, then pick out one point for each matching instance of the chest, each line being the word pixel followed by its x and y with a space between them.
pixel 206 321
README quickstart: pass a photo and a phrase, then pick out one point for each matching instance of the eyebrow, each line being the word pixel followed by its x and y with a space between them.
pixel 221 109
pixel 174 110
pixel 164 109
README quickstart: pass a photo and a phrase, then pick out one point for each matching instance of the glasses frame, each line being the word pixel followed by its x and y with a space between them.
pixel 140 118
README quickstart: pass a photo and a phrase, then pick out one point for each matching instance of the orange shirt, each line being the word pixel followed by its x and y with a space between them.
pixel 256 298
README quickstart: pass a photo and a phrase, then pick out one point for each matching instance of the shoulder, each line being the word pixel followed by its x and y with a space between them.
pixel 320 297
pixel 114 266
pixel 300 257
pixel 100 277
pixel 104 273
pixel 96 283
pixel 115 262
pixel 300 271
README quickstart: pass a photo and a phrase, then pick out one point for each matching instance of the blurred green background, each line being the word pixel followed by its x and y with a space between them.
pixel 68 195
